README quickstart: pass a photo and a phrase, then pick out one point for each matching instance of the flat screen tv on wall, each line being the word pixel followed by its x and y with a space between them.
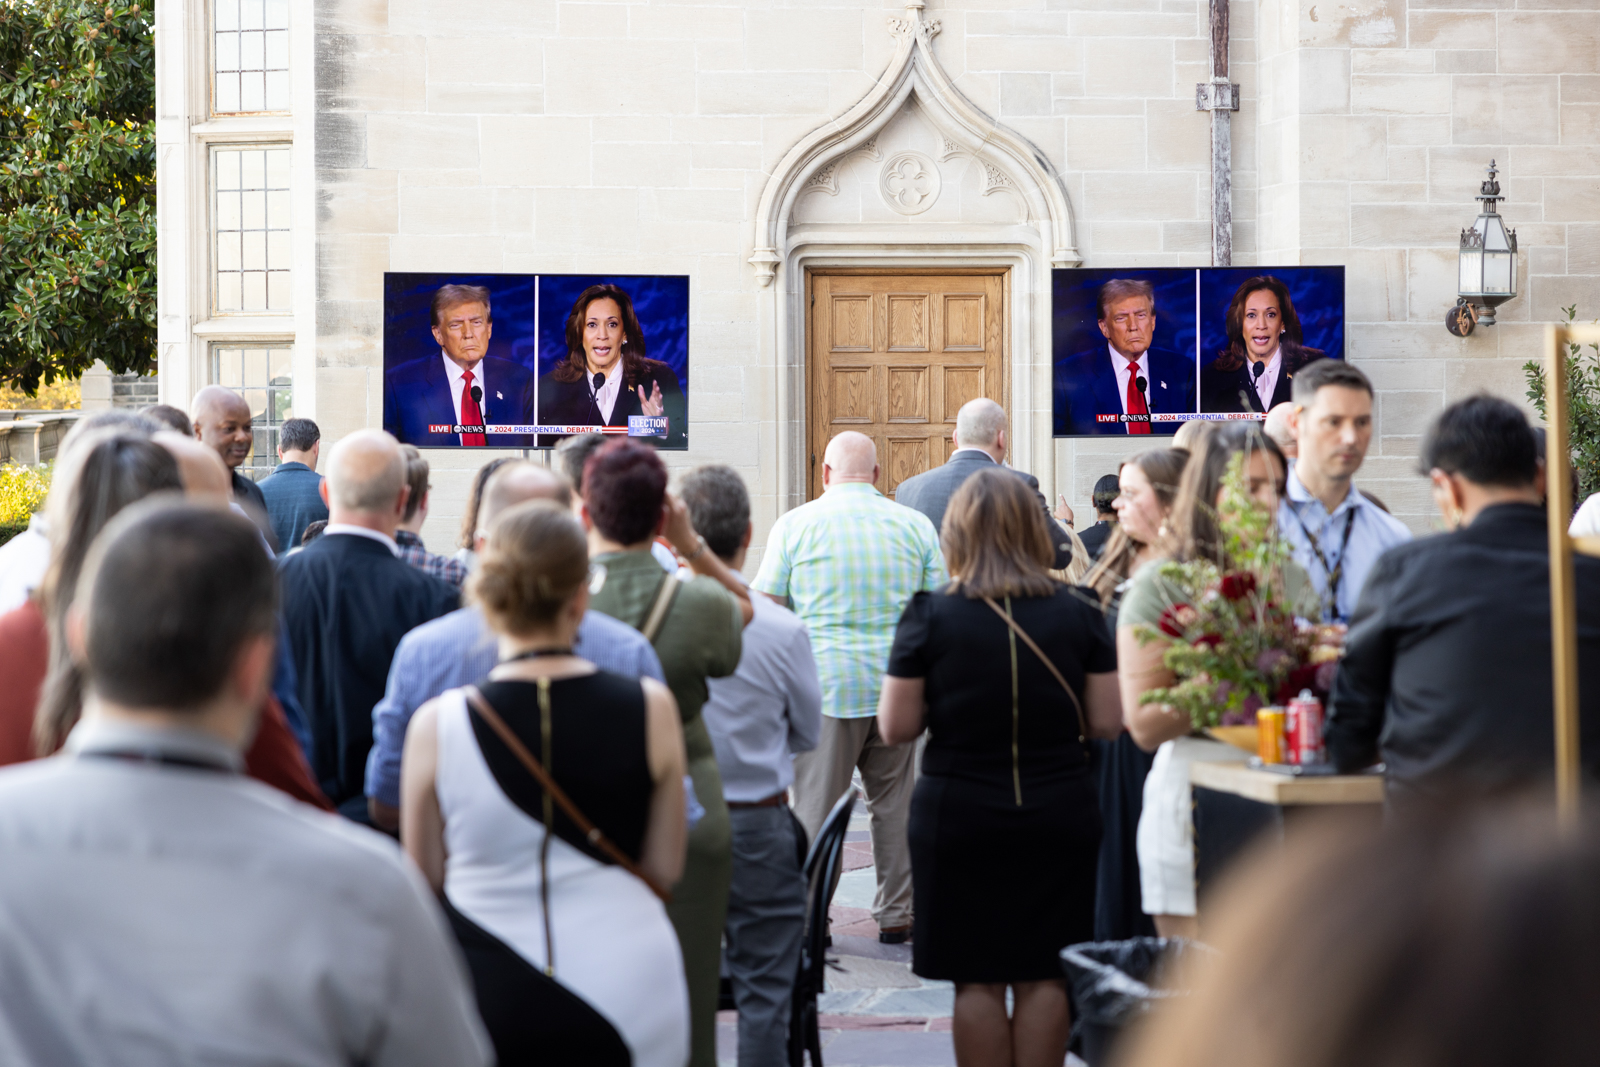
pixel 1157 347
pixel 523 360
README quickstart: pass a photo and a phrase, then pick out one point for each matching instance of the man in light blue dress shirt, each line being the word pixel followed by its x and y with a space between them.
pixel 759 717
pixel 1336 532
pixel 459 648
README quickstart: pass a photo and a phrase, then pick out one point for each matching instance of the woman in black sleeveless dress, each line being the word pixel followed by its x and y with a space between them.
pixel 1004 822
pixel 572 955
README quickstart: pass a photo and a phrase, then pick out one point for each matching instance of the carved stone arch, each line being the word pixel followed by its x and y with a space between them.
pixel 915 74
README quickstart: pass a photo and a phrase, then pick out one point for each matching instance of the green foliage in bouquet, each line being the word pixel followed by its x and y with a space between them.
pixel 1235 643
pixel 1583 408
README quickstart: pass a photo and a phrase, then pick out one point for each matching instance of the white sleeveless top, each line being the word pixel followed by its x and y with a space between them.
pixel 614 945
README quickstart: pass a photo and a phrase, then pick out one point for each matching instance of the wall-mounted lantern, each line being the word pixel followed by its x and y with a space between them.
pixel 1488 262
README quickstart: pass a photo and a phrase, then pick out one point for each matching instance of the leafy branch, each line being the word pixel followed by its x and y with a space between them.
pixel 77 189
pixel 1583 406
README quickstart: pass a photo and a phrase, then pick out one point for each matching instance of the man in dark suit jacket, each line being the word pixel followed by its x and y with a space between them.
pixel 980 443
pixel 293 490
pixel 348 599
pixel 1107 381
pixel 1446 676
pixel 461 384
pixel 222 421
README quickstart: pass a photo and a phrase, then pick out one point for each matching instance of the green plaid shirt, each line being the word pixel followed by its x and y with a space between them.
pixel 849 561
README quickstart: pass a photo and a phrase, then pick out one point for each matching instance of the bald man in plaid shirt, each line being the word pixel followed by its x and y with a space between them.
pixel 847 563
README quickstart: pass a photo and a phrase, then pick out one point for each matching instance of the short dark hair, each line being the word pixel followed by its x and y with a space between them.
pixel 171 418
pixel 298 435
pixel 1106 490
pixel 624 484
pixel 313 531
pixel 171 592
pixel 1484 439
pixel 574 452
pixel 417 479
pixel 1320 373
pixel 1122 288
pixel 719 506
pixel 449 296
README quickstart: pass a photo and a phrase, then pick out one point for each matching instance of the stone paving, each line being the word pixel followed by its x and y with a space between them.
pixel 876 1013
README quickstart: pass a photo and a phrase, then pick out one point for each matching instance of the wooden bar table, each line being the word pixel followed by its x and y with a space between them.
pixel 1234 805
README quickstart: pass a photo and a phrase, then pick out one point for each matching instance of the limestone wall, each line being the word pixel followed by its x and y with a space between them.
pixel 529 135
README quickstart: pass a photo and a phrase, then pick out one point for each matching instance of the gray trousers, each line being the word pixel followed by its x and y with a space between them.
pixel 766 917
pixel 888 774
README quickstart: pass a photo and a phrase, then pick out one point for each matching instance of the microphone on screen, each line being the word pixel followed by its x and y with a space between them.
pixel 1257 370
pixel 477 395
pixel 1140 384
pixel 599 381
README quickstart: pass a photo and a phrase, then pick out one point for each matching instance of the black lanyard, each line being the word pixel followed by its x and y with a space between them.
pixel 165 759
pixel 1336 572
pixel 535 653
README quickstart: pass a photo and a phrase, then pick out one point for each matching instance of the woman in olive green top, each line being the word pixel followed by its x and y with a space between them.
pixel 1166 828
pixel 695 626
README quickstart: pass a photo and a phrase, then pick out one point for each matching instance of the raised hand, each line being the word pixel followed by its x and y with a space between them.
pixel 652 404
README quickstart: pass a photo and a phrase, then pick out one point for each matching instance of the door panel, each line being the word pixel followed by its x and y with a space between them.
pixel 894 356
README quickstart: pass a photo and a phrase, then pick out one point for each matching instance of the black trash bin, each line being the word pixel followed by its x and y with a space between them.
pixel 1114 982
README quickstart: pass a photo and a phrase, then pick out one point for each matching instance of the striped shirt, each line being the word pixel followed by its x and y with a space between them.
pixel 849 562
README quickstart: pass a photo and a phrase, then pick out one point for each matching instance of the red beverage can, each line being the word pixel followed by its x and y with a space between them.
pixel 1303 729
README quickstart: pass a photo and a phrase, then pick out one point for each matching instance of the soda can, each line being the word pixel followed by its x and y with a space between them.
pixel 1303 727
pixel 1270 736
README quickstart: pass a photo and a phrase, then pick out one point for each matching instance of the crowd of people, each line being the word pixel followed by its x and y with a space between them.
pixel 603 753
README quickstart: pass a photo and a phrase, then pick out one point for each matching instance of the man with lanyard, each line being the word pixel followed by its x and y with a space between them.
pixel 1337 534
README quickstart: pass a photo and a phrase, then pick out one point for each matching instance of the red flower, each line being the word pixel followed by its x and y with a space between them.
pixel 1238 585
pixel 1303 677
pixel 1207 641
pixel 1169 623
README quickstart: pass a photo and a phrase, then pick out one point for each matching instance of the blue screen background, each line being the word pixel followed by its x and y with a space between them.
pixel 1317 292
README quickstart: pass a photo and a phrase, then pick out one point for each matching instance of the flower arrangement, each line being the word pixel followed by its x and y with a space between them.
pixel 1236 645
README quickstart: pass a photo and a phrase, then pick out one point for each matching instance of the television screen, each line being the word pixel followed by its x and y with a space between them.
pixel 1145 350
pixel 523 360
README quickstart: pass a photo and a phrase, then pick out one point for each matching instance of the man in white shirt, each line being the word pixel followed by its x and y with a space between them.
pixel 157 907
pixel 1115 389
pixel 459 384
pixel 759 717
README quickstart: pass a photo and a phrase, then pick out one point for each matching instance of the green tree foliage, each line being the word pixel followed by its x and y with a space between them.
pixel 1583 408
pixel 77 189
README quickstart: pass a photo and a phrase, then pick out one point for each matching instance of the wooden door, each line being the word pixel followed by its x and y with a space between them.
pixel 894 356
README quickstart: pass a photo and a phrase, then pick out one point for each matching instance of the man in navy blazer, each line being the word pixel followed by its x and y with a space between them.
pixel 461 384
pixel 1102 380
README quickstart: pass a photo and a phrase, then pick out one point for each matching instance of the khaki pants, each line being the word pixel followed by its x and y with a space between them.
pixel 887 772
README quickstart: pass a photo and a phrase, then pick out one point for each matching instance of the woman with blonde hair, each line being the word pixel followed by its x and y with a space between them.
pixel 1011 674
pixel 545 805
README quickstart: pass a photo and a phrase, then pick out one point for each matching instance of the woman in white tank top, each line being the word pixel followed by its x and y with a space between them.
pixel 572 955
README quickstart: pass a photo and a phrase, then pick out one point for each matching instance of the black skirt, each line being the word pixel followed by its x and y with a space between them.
pixel 1000 889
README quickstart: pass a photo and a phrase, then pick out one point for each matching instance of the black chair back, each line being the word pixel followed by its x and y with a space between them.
pixel 824 864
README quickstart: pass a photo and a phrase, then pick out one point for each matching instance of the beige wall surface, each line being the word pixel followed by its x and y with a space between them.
pixel 535 135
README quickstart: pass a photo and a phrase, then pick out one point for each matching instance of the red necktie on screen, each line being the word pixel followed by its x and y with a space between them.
pixel 470 415
pixel 1136 404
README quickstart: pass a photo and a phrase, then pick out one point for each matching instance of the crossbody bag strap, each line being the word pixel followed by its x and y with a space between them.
pixel 590 831
pixel 1083 726
pixel 665 595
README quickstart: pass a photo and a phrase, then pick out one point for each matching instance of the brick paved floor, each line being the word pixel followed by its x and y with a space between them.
pixel 876 1013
